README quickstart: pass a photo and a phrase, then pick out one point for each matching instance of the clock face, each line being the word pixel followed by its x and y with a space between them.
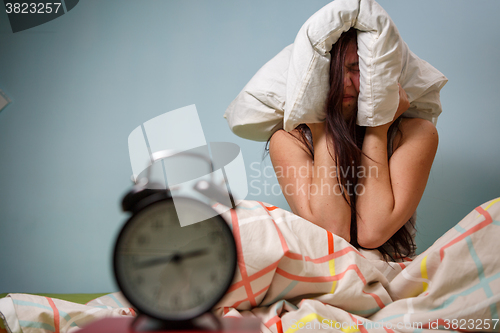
pixel 171 272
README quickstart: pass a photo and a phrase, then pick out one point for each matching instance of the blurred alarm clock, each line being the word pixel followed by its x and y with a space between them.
pixel 168 272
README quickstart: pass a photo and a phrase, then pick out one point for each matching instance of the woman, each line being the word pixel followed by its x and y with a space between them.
pixel 363 184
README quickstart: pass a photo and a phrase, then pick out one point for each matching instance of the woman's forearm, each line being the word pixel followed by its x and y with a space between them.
pixel 379 215
pixel 375 200
pixel 327 204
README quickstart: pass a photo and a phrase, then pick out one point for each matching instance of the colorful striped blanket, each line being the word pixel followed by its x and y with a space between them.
pixel 297 277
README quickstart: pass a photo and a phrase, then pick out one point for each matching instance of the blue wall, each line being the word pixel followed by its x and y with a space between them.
pixel 81 83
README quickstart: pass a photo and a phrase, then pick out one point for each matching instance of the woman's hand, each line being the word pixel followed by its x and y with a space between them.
pixel 404 104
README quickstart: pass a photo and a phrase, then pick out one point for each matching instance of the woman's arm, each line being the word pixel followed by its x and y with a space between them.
pixel 393 189
pixel 310 187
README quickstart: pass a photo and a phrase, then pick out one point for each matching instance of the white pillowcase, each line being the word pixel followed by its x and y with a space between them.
pixel 257 112
pixel 292 87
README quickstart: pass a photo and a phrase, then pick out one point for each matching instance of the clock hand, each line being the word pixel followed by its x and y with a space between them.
pixel 155 261
pixel 191 254
pixel 174 257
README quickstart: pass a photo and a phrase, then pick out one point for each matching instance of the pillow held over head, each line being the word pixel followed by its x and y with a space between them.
pixel 292 87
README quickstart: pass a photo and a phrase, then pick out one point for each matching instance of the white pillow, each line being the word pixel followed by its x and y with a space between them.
pixel 422 84
pixel 295 83
pixel 257 112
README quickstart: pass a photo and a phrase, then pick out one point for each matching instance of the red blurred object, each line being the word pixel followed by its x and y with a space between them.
pixel 124 325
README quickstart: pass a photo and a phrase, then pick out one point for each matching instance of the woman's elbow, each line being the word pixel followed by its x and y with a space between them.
pixel 371 239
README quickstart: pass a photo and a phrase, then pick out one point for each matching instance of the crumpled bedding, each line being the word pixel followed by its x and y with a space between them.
pixel 294 275
pixel 310 278
pixel 23 313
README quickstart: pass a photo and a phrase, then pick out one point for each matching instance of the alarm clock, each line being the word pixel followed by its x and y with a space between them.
pixel 168 272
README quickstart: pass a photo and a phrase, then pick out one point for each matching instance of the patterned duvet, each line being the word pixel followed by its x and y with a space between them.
pixel 298 277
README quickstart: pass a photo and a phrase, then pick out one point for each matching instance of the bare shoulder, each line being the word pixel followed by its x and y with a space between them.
pixel 418 130
pixel 287 143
